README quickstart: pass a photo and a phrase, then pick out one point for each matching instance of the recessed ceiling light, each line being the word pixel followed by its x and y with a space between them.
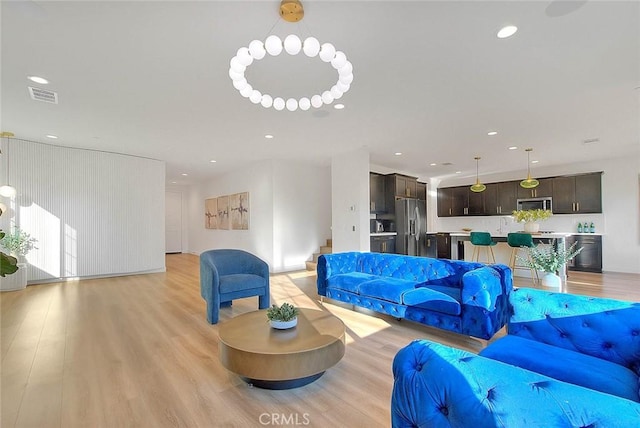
pixel 534 161
pixel 173 182
pixel 507 31
pixel 433 164
pixel 492 133
pixel 458 172
pixel 338 106
pixel 184 174
pixel 213 161
pixel 398 153
pixel 268 136
pixel 53 137
pixel 513 148
pixel 38 79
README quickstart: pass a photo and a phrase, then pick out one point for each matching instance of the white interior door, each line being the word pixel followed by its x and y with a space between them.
pixel 173 222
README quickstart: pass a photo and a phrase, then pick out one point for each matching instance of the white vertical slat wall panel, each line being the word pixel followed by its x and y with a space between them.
pixel 93 213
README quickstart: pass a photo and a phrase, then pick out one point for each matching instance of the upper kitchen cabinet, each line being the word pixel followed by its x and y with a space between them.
pixel 577 194
pixel 404 186
pixel 421 189
pixel 543 190
pixel 459 201
pixel 445 197
pixel 500 198
pixel 377 193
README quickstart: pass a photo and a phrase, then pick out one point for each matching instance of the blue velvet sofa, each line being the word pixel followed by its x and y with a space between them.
pixel 463 297
pixel 567 361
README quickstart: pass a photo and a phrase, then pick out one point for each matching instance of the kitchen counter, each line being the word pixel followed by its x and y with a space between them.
pixel 384 234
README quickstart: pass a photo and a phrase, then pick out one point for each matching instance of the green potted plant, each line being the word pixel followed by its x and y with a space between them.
pixel 549 259
pixel 283 317
pixel 530 218
pixel 8 264
pixel 18 244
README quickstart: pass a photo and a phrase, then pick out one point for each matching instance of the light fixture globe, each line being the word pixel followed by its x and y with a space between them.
pixel 529 183
pixel 7 191
pixel 311 47
pixel 273 45
pixel 292 44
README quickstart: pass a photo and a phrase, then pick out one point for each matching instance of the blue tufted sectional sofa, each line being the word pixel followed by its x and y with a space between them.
pixel 463 297
pixel 567 361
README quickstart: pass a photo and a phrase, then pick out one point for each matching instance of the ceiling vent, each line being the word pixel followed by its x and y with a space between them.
pixel 446 164
pixel 591 141
pixel 39 94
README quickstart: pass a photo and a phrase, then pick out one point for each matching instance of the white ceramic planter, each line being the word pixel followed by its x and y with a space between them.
pixel 283 325
pixel 531 227
pixel 551 280
pixel 15 281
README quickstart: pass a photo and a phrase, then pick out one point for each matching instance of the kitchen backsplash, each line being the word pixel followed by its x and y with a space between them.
pixel 505 224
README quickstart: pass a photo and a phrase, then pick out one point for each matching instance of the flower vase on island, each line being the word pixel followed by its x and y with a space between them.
pixel 531 219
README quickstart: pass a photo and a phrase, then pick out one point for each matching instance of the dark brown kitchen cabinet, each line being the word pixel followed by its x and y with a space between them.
pixel 377 193
pixel 439 245
pixel 577 194
pixel 590 258
pixel 405 187
pixel 459 201
pixel 500 198
pixel 543 190
pixel 383 244
pixel 421 190
pixel 445 197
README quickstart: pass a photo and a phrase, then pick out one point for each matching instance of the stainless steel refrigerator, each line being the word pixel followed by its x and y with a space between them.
pixel 411 225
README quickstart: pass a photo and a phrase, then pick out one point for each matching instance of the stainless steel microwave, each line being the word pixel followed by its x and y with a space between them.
pixel 535 204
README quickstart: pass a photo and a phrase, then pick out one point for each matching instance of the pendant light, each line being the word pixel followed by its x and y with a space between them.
pixel 6 190
pixel 529 183
pixel 478 187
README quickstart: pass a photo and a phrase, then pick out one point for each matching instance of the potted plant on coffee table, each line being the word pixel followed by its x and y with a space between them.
pixel 530 218
pixel 283 317
pixel 549 259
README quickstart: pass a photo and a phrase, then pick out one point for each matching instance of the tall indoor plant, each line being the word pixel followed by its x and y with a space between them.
pixel 18 244
pixel 530 218
pixel 549 259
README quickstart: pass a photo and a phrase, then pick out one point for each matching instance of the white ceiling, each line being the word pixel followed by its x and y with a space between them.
pixel 431 79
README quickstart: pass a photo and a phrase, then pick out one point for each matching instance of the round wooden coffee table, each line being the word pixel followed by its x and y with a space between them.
pixel 281 359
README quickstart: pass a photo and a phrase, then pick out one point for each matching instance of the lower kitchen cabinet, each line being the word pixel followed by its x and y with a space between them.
pixel 439 245
pixel 590 258
pixel 383 244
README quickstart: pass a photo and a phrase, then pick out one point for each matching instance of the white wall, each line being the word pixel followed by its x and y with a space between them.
pixel 350 201
pixel 93 213
pixel 301 213
pixel 619 223
pixel 289 211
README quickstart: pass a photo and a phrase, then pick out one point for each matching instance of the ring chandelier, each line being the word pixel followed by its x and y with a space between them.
pixel 292 45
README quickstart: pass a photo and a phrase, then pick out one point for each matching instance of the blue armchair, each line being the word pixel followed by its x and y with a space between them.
pixel 226 275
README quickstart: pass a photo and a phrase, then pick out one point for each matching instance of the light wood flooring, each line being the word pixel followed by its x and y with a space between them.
pixel 136 351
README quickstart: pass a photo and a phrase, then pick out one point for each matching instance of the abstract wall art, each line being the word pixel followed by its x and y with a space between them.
pixel 239 211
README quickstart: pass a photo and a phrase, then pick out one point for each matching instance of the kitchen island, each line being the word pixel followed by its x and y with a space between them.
pixel 458 240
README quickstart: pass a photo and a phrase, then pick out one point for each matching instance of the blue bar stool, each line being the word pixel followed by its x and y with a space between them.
pixel 480 240
pixel 518 242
